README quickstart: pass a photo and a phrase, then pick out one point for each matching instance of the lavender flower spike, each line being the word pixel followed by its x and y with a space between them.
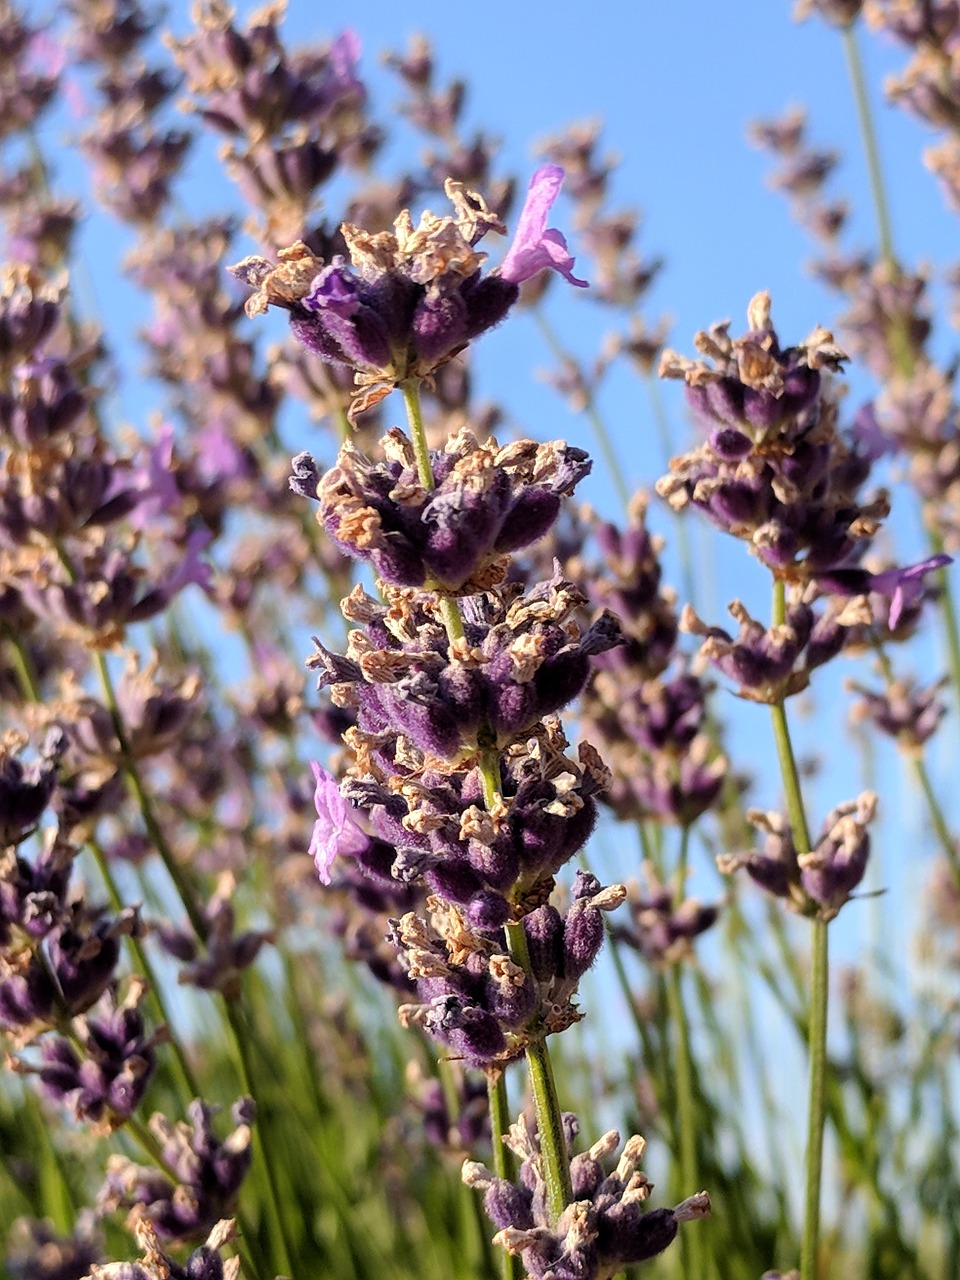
pixel 536 246
pixel 334 830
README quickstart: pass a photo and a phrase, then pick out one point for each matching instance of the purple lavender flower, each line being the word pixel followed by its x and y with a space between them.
pixel 817 883
pixel 36 1251
pixel 602 1231
pixel 108 1083
pixel 487 501
pixel 209 1172
pixel 407 302
pixel 903 587
pixel 26 789
pixel 334 831
pixel 535 246
pixel 204 1263
pixel 225 952
pixel 908 713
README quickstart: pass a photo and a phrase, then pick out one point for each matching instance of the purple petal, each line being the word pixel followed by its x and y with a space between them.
pixel 334 831
pixel 535 246
pixel 905 587
pixel 345 58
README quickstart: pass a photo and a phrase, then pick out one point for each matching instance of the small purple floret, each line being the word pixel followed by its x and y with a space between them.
pixel 334 831
pixel 535 246
pixel 905 586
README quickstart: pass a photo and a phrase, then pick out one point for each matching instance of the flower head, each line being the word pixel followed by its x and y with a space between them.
pixel 407 301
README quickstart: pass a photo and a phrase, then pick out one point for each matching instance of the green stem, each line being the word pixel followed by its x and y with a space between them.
pixel 23 665
pixel 686 1110
pixel 947 842
pixel 949 613
pixel 546 1104
pixel 503 1162
pixel 277 1223
pixel 145 805
pixel 871 151
pixel 686 1121
pixel 418 436
pixel 553 1147
pixel 188 1081
pixel 788 765
pixel 819 984
pixel 817 1046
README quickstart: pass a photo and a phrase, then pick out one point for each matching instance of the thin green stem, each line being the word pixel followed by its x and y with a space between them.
pixel 686 1109
pixel 947 842
pixel 277 1222
pixel 553 1147
pixel 819 984
pixel 788 764
pixel 949 614
pixel 23 666
pixel 871 151
pixel 410 391
pixel 503 1162
pixel 188 1081
pixel 686 1118
pixel 817 1047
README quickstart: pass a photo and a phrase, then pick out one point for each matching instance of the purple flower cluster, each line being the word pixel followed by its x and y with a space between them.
pixel 204 1263
pixel 208 1172
pixel 817 883
pixel 774 470
pixel 662 929
pixel 474 998
pixel 777 473
pixel 108 1083
pixel 604 1229
pixel 57 955
pixel 409 301
pixel 522 658
pixel 486 502
pixel 293 118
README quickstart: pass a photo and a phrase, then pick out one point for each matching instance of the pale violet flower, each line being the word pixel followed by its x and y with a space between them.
pixel 535 245
pixel 905 587
pixel 334 831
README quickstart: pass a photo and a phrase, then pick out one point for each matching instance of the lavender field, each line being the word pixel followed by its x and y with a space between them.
pixel 478 761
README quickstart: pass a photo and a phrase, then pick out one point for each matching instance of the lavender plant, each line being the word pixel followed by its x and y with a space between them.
pixel 326 966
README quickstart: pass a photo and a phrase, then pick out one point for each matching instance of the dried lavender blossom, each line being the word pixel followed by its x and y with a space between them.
pixel 603 1230
pixel 409 301
pixel 486 502
pixel 209 1172
pixel 820 882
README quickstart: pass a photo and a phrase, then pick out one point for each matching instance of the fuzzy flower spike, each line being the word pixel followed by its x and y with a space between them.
pixel 409 300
